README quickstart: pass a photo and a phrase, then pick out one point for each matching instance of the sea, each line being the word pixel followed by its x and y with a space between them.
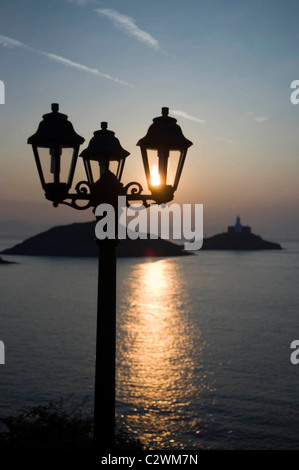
pixel 203 344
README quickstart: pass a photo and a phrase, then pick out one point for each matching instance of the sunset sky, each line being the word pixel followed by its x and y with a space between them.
pixel 223 67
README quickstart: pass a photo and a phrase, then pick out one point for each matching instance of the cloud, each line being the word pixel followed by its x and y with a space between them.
pixel 127 24
pixel 261 118
pixel 80 2
pixel 9 42
pixel 76 65
pixel 187 116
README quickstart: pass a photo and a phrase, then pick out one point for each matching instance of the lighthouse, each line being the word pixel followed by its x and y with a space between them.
pixel 238 227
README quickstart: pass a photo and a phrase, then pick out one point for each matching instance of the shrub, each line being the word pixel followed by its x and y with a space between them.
pixel 60 425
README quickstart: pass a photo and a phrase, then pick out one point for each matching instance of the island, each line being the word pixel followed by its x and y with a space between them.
pixel 238 237
pixel 79 239
pixel 4 261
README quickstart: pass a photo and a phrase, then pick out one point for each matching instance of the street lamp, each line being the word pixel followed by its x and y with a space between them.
pixel 56 134
pixel 163 144
pixel 104 148
pixel 54 137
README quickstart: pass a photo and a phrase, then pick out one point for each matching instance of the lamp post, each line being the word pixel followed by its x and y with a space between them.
pixel 56 141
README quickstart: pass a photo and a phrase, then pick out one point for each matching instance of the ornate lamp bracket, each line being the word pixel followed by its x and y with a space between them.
pixel 133 193
pixel 83 191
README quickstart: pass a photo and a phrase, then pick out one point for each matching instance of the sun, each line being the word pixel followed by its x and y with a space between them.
pixel 155 177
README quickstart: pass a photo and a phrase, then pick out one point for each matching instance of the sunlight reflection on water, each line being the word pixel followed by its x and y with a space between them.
pixel 203 344
pixel 157 370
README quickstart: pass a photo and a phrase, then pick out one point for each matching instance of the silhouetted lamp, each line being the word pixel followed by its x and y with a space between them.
pixel 56 146
pixel 163 150
pixel 104 148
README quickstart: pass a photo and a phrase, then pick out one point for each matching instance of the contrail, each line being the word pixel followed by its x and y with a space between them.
pixel 129 26
pixel 187 116
pixel 10 43
pixel 76 65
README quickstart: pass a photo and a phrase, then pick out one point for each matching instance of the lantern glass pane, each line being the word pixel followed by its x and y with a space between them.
pixel 156 177
pixel 50 165
pixel 88 172
pixel 153 163
pixel 97 168
pixel 172 166
pixel 113 167
pixel 65 163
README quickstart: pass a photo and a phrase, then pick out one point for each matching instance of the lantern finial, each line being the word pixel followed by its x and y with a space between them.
pixel 55 107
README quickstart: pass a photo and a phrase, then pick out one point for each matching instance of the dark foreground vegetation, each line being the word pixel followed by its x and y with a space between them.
pixel 63 425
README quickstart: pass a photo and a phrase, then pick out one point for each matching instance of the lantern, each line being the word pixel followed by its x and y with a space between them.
pixel 55 146
pixel 163 151
pixel 104 149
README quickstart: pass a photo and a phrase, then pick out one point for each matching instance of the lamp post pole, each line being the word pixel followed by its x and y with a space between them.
pixel 104 399
pixel 108 189
pixel 55 134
